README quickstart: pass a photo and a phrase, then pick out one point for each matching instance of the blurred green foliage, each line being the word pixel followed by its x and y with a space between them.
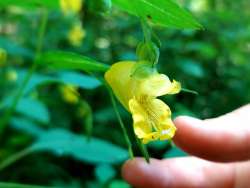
pixel 46 142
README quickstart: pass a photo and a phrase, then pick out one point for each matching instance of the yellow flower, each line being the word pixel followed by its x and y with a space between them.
pixel 76 35
pixel 68 6
pixel 137 88
pixel 70 94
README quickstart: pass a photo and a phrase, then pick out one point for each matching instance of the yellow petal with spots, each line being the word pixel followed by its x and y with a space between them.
pixel 159 109
pixel 152 119
pixel 150 137
pixel 164 124
pixel 141 124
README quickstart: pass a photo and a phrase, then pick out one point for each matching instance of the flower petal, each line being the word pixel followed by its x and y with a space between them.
pixel 150 137
pixel 118 77
pixel 174 88
pixel 160 110
pixel 168 130
pixel 158 85
pixel 164 124
pixel 141 124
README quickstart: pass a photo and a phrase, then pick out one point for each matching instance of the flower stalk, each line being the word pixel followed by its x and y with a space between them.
pixel 124 130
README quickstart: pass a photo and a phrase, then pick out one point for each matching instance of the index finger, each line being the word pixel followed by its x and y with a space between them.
pixel 226 138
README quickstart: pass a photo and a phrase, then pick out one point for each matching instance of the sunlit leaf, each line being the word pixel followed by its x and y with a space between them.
pixel 161 12
pixel 69 60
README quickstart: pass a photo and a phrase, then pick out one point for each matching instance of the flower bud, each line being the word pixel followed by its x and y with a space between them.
pixel 148 51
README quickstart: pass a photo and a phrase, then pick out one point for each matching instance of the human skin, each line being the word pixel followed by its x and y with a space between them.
pixel 220 155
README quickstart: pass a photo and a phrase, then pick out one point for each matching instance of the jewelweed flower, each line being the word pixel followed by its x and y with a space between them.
pixel 76 35
pixel 68 6
pixel 69 94
pixel 137 87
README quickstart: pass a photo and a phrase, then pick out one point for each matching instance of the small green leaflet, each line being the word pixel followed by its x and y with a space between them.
pixel 69 60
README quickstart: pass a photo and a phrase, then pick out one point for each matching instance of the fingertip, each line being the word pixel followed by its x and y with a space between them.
pixel 132 169
pixel 186 128
pixel 139 173
pixel 218 139
pixel 126 169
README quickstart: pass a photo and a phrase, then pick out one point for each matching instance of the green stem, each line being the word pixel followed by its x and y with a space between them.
pixel 125 133
pixel 124 130
pixel 12 159
pixel 189 91
pixel 143 149
pixel 88 119
pixel 19 94
pixel 146 30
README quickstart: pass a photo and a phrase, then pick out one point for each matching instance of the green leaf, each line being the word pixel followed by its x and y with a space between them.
pixel 161 12
pixel 119 183
pixel 104 173
pixel 78 79
pixel 69 60
pixel 31 3
pixel 70 77
pixel 35 81
pixel 62 142
pixel 31 108
pixel 25 125
pixel 15 49
pixel 18 185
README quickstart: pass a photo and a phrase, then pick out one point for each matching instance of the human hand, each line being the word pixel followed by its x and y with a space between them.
pixel 224 145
